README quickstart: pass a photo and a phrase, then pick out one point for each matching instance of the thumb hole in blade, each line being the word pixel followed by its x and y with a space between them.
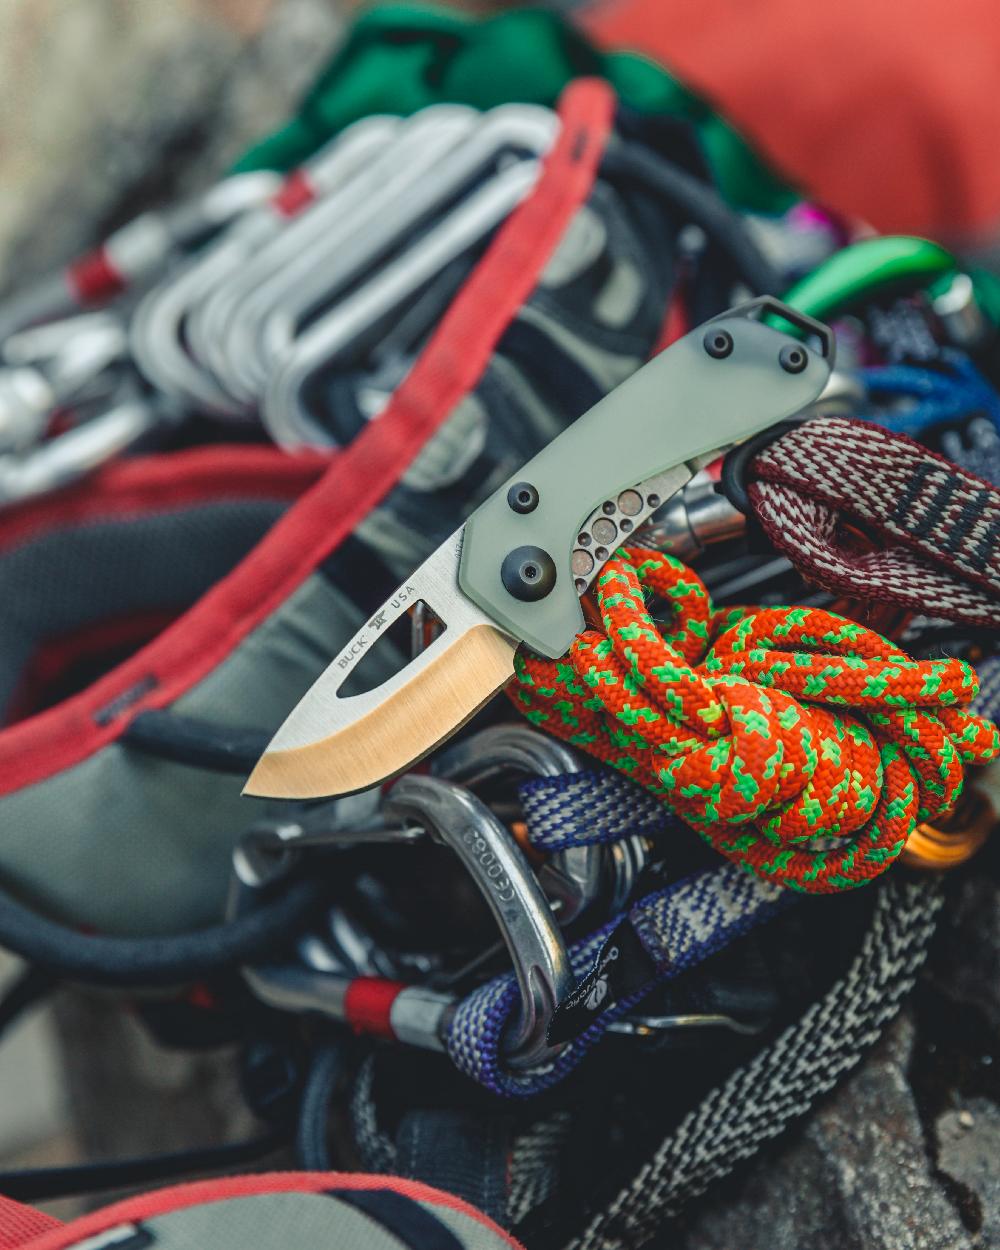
pixel 394 647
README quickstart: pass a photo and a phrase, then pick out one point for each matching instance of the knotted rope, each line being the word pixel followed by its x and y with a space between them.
pixel 737 719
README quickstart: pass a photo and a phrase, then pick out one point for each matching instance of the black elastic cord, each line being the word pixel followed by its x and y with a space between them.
pixel 733 481
pixel 312 1141
pixel 169 960
pixel 167 735
pixel 700 205
pixel 40 1184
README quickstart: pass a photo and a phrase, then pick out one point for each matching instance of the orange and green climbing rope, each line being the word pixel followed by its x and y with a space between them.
pixel 797 742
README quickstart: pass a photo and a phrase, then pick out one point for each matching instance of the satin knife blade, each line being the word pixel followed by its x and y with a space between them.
pixel 513 574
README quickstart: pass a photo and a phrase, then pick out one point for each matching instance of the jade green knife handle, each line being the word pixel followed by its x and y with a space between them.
pixel 722 383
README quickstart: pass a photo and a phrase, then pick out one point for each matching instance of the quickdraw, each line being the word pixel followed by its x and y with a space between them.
pixel 728 716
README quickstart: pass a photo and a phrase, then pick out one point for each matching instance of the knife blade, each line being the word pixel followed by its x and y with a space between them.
pixel 513 574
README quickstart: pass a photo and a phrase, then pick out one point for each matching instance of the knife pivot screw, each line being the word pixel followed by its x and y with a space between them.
pixel 793 359
pixel 528 573
pixel 522 497
pixel 718 343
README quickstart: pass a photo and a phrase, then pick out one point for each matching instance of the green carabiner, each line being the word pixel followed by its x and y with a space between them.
pixel 888 265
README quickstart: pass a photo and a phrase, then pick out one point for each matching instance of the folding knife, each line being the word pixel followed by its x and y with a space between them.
pixel 516 569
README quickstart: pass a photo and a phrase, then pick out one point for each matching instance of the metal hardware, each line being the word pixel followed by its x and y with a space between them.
pixel 954 838
pixel 650 1026
pixel 523 497
pixel 498 867
pixel 285 410
pixel 77 452
pixel 579 877
pixel 692 520
pixel 718 343
pixel 529 573
pixel 960 315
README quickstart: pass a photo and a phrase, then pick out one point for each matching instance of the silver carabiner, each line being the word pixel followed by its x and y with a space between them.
pixel 503 875
pixel 579 876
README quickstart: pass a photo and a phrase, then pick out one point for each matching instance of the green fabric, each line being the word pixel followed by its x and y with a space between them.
pixel 987 288
pixel 400 58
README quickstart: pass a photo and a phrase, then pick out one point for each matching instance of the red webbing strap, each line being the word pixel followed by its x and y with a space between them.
pixel 939 526
pixel 19 1224
pixel 358 478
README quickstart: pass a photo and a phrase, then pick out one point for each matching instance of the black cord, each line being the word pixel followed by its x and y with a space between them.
pixel 41 1184
pixel 312 1142
pixel 696 203
pixel 168 960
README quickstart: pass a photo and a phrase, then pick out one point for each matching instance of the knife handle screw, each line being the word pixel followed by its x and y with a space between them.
pixel 522 497
pixel 718 343
pixel 528 573
pixel 793 359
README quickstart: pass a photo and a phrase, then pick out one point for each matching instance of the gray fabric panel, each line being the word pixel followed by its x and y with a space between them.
pixel 262 680
pixel 302 1221
pixel 123 843
pixel 271 1222
pixel 473 1234
pixel 102 570
pixel 607 367
pixel 134 845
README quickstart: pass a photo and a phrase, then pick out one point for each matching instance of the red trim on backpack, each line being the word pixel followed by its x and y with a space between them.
pixel 179 1197
pixel 57 656
pixel 676 321
pixel 359 477
pixel 19 1224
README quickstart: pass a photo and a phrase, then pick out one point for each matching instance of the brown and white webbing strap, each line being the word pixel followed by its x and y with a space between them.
pixel 938 526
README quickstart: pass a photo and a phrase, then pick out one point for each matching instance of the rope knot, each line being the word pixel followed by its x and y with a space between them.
pixel 797 742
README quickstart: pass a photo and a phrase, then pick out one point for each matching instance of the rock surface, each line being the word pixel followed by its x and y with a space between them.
pixel 113 106
pixel 906 1154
